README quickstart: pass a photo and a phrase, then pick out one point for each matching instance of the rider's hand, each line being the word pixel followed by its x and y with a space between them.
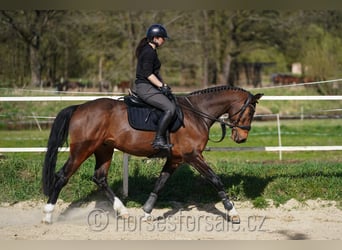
pixel 166 90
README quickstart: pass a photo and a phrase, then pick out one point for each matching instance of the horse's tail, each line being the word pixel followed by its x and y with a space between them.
pixel 58 136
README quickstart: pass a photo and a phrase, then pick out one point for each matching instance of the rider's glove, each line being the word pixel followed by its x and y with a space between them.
pixel 166 90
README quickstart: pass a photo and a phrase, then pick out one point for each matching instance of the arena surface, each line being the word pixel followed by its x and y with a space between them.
pixel 312 220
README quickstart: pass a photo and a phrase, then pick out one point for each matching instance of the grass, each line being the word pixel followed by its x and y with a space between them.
pixel 293 133
pixel 254 176
pixel 256 181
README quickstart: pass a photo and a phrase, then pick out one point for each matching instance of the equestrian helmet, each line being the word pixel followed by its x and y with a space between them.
pixel 156 30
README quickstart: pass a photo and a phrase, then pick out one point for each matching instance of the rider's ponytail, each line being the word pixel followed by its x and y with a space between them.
pixel 141 45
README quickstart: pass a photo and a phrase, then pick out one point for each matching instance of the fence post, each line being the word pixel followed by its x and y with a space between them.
pixel 36 120
pixel 301 113
pixel 125 175
pixel 279 138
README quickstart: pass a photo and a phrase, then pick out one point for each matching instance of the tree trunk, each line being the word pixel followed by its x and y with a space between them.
pixel 205 49
pixel 66 63
pixel 226 69
pixel 100 73
pixel 35 66
pixel 132 40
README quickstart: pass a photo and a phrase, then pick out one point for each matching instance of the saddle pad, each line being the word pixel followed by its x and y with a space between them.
pixel 147 119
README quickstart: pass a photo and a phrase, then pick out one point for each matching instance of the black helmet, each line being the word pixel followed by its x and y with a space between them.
pixel 156 30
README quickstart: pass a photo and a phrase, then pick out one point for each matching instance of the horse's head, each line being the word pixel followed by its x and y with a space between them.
pixel 241 116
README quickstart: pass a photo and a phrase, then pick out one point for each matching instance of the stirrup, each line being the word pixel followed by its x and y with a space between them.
pixel 161 146
pixel 160 143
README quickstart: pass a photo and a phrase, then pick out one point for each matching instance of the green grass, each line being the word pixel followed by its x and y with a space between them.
pixel 254 176
pixel 20 176
pixel 293 133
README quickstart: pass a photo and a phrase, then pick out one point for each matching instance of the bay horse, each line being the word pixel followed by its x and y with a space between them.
pixel 100 126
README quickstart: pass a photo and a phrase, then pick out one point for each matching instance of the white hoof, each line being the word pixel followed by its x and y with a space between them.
pixel 119 208
pixel 233 212
pixel 234 216
pixel 47 219
pixel 147 217
pixel 48 209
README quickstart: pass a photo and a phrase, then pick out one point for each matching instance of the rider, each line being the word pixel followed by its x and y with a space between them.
pixel 149 85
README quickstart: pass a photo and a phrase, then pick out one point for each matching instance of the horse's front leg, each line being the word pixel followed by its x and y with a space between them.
pixel 202 167
pixel 118 206
pixel 103 160
pixel 166 172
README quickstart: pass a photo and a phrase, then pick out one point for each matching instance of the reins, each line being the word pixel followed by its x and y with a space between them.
pixel 223 123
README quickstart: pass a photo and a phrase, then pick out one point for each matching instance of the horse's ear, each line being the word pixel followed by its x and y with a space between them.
pixel 258 96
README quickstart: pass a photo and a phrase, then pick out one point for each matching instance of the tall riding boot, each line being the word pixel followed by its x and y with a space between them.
pixel 160 140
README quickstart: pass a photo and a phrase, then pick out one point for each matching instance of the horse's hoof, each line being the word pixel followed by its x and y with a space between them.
pixel 147 218
pixel 235 219
pixel 47 219
pixel 46 222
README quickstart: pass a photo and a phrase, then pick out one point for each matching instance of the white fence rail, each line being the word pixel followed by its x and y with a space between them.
pixel 88 98
pixel 255 149
pixel 276 148
pixel 52 98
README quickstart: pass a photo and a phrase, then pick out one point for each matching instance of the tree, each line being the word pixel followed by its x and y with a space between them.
pixel 238 32
pixel 31 27
pixel 206 46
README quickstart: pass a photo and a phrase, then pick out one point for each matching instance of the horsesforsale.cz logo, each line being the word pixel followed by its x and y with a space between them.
pixel 98 219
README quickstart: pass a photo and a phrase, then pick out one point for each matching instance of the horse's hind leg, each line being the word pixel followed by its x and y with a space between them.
pixel 103 158
pixel 61 179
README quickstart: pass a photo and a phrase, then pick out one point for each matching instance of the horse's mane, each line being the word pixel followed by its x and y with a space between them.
pixel 216 89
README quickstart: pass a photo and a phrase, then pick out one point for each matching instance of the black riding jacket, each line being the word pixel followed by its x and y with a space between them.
pixel 148 63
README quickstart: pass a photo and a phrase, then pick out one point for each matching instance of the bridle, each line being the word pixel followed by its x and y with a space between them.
pixel 224 124
pixel 241 111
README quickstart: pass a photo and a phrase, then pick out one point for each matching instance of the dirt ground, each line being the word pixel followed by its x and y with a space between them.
pixel 312 220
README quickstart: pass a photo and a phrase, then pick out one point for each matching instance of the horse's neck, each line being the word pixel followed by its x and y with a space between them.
pixel 214 104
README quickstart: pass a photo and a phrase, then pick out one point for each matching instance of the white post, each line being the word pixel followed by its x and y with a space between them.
pixel 302 113
pixel 279 138
pixel 125 175
pixel 36 120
